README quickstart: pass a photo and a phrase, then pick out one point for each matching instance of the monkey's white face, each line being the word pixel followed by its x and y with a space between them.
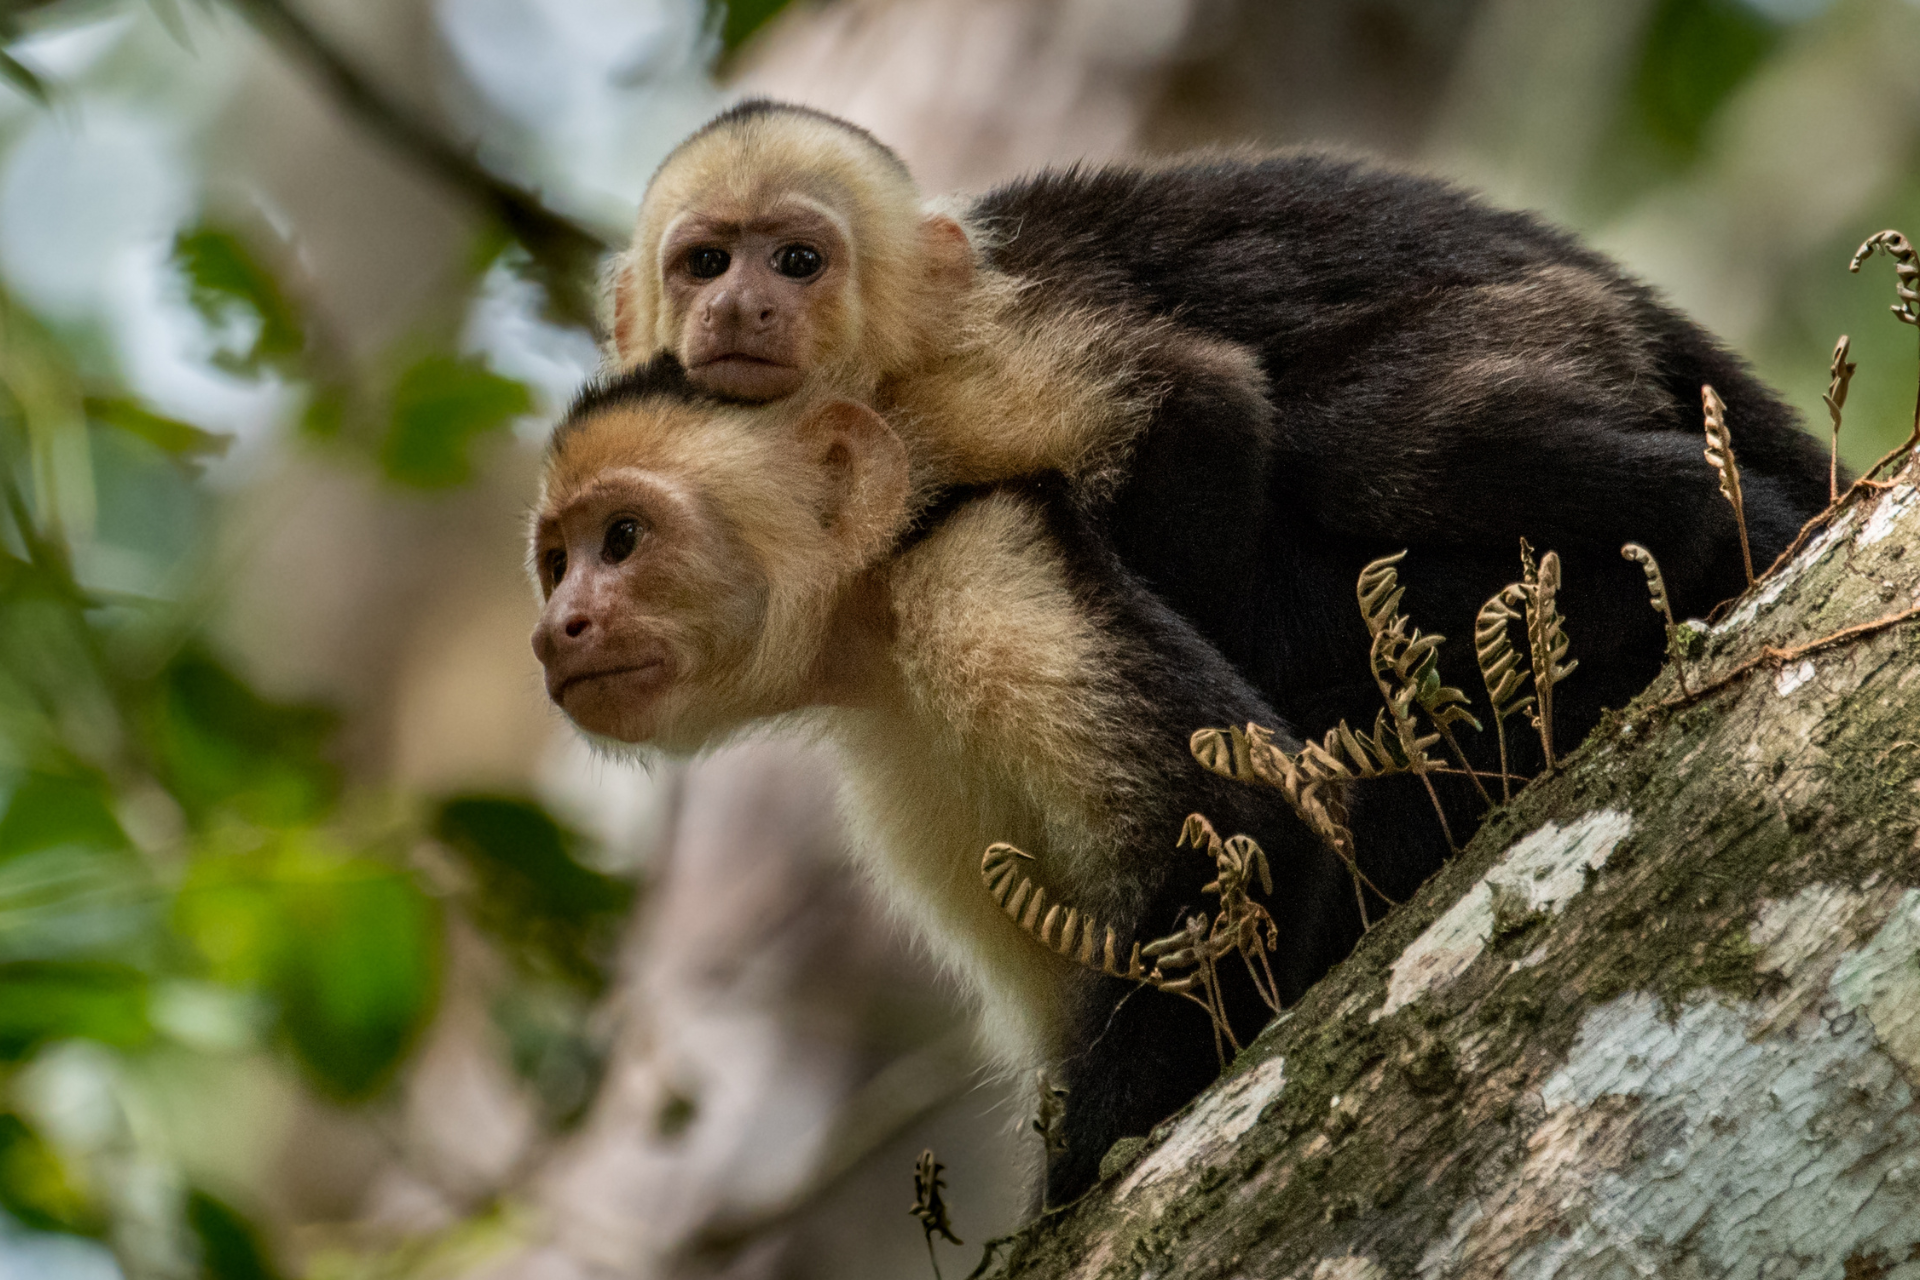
pixel 646 599
pixel 695 567
pixel 752 298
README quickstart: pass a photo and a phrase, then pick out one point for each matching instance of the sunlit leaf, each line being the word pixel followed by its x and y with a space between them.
pixel 234 291
pixel 44 1002
pixel 557 916
pixel 180 439
pixel 347 948
pixel 441 407
pixel 230 1247
pixel 36 1187
pixel 220 744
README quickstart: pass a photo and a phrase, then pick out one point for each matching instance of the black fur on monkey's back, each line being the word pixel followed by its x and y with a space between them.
pixel 1441 376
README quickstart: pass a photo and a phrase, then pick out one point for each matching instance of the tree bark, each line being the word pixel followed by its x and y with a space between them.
pixel 1661 1017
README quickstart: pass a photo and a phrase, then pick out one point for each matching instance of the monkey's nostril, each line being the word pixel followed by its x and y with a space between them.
pixel 576 627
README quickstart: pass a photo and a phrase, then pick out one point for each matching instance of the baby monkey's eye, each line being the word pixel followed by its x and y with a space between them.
pixel 797 261
pixel 706 262
pixel 556 566
pixel 621 537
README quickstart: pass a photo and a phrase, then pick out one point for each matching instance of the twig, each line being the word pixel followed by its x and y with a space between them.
pixel 565 253
pixel 1769 655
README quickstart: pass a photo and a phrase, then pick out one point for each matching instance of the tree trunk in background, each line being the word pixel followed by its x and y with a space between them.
pixel 1661 1018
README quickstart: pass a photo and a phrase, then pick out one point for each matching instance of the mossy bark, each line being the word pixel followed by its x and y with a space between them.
pixel 1662 1016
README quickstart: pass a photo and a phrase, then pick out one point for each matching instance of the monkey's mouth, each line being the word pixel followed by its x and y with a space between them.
pixel 741 375
pixel 639 678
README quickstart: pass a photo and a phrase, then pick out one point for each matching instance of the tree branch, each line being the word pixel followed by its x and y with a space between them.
pixel 565 254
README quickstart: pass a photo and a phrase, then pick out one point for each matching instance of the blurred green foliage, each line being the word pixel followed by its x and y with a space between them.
pixel 559 922
pixel 440 406
pixel 554 915
pixel 165 826
pixel 230 1249
pixel 1691 57
pixel 239 298
pixel 737 20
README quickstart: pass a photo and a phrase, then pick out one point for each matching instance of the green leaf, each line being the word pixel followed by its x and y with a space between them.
pixel 170 435
pixel 46 810
pixel 1694 55
pixel 229 287
pixel 441 406
pixel 556 916
pixel 230 1247
pixel 346 947
pixel 219 744
pixel 35 1186
pixel 357 987
pixel 739 19
pixel 43 1002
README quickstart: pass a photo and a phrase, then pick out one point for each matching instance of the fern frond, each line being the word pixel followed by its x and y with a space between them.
pixel 1906 270
pixel 1068 933
pixel 1547 640
pixel 1719 453
pixel 1314 780
pixel 1399 648
pixel 1500 667
pixel 1656 581
pixel 1839 378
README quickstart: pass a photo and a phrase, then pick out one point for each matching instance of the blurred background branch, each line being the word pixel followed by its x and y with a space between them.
pixel 565 254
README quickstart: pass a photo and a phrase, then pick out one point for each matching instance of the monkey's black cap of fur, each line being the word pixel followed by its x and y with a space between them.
pixel 661 378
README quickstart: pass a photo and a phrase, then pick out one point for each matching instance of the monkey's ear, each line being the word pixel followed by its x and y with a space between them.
pixel 632 336
pixel 864 466
pixel 949 252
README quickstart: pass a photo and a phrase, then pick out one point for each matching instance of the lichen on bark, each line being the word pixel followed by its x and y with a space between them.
pixel 1662 1016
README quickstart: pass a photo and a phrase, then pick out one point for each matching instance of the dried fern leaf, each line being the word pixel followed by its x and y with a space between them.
pixel 1547 641
pixel 1839 378
pixel 1412 659
pixel 1906 270
pixel 1656 581
pixel 1719 453
pixel 1058 928
pixel 1500 666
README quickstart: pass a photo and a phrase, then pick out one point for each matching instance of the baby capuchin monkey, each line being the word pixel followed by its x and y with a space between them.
pixel 1191 401
pixel 778 248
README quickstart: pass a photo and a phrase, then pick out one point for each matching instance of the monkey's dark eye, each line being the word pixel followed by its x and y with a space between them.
pixel 706 262
pixel 797 261
pixel 556 566
pixel 622 534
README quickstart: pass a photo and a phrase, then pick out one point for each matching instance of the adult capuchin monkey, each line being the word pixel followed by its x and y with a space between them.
pixel 1234 381
pixel 990 674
